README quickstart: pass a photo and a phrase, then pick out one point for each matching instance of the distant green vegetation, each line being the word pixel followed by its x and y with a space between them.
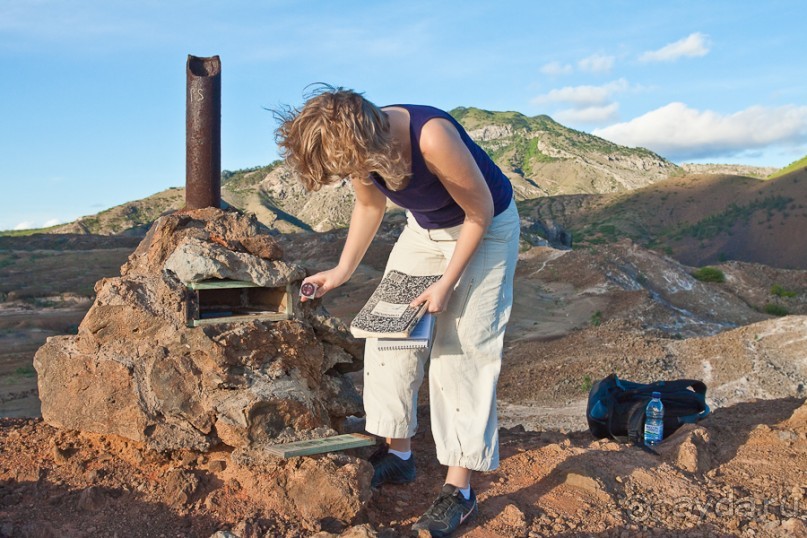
pixel 781 291
pixel 709 274
pixel 145 211
pixel 524 152
pixel 25 371
pixel 608 230
pixel 535 154
pixel 577 141
pixel 246 178
pixel 792 167
pixel 722 222
pixel 119 218
pixel 24 233
pixel 776 309
pixel 620 221
pixel 473 118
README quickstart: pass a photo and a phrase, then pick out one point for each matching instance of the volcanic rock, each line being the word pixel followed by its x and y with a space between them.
pixel 328 490
pixel 195 260
pixel 137 369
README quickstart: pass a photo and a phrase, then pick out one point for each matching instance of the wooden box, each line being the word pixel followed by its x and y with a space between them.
pixel 228 301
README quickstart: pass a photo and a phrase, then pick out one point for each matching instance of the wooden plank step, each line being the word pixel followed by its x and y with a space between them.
pixel 319 446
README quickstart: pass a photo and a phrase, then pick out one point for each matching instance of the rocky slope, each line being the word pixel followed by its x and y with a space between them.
pixel 698 219
pixel 760 172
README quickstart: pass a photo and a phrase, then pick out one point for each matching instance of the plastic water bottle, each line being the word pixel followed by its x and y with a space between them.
pixel 654 421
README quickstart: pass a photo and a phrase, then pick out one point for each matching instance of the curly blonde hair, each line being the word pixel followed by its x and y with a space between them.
pixel 338 133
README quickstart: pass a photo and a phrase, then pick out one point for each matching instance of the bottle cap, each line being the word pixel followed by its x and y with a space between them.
pixel 656 395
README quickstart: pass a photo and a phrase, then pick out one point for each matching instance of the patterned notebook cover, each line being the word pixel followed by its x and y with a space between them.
pixel 387 313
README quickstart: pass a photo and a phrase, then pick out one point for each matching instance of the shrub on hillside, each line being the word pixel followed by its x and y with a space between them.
pixel 781 291
pixel 709 274
pixel 776 309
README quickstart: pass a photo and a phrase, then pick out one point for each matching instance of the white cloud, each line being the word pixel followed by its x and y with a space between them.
pixel 679 132
pixel 556 68
pixel 596 63
pixel 696 44
pixel 583 96
pixel 585 104
pixel 590 114
pixel 30 225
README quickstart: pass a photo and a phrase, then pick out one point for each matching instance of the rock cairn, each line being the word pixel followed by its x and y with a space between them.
pixel 136 369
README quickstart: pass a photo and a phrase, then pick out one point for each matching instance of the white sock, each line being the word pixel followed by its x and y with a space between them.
pixel 403 455
pixel 466 492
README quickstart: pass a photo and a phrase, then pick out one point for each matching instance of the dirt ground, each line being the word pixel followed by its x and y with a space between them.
pixel 576 318
pixel 742 472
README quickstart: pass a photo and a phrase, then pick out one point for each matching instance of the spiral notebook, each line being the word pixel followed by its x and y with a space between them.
pixel 421 336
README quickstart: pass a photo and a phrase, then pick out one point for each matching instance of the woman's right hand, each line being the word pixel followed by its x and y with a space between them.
pixel 326 281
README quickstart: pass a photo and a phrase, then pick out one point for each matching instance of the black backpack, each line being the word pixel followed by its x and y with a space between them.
pixel 616 408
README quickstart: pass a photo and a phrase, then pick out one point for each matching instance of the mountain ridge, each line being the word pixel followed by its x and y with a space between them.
pixel 539 155
pixel 565 181
pixel 560 160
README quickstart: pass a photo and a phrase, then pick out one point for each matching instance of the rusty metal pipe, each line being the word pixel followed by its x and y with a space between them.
pixel 203 133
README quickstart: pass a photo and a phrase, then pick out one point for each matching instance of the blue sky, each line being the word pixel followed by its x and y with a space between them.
pixel 92 92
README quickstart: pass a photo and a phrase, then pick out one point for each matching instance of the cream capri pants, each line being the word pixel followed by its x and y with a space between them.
pixel 467 351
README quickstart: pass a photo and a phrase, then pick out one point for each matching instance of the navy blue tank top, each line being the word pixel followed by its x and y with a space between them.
pixel 424 196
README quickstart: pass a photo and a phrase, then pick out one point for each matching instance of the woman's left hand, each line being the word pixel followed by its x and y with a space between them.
pixel 436 296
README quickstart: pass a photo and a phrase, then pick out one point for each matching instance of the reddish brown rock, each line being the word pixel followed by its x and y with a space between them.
pixel 329 490
pixel 687 449
pixel 137 369
pixel 219 226
pixel 263 246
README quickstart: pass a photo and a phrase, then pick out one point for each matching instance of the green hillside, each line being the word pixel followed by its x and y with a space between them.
pixel 792 167
pixel 536 128
pixel 31 231
pixel 476 118
pixel 556 159
pixel 132 218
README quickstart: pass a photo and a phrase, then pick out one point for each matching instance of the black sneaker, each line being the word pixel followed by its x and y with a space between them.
pixel 448 512
pixel 390 469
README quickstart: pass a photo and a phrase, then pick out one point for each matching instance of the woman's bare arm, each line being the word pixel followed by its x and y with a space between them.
pixel 449 159
pixel 368 211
